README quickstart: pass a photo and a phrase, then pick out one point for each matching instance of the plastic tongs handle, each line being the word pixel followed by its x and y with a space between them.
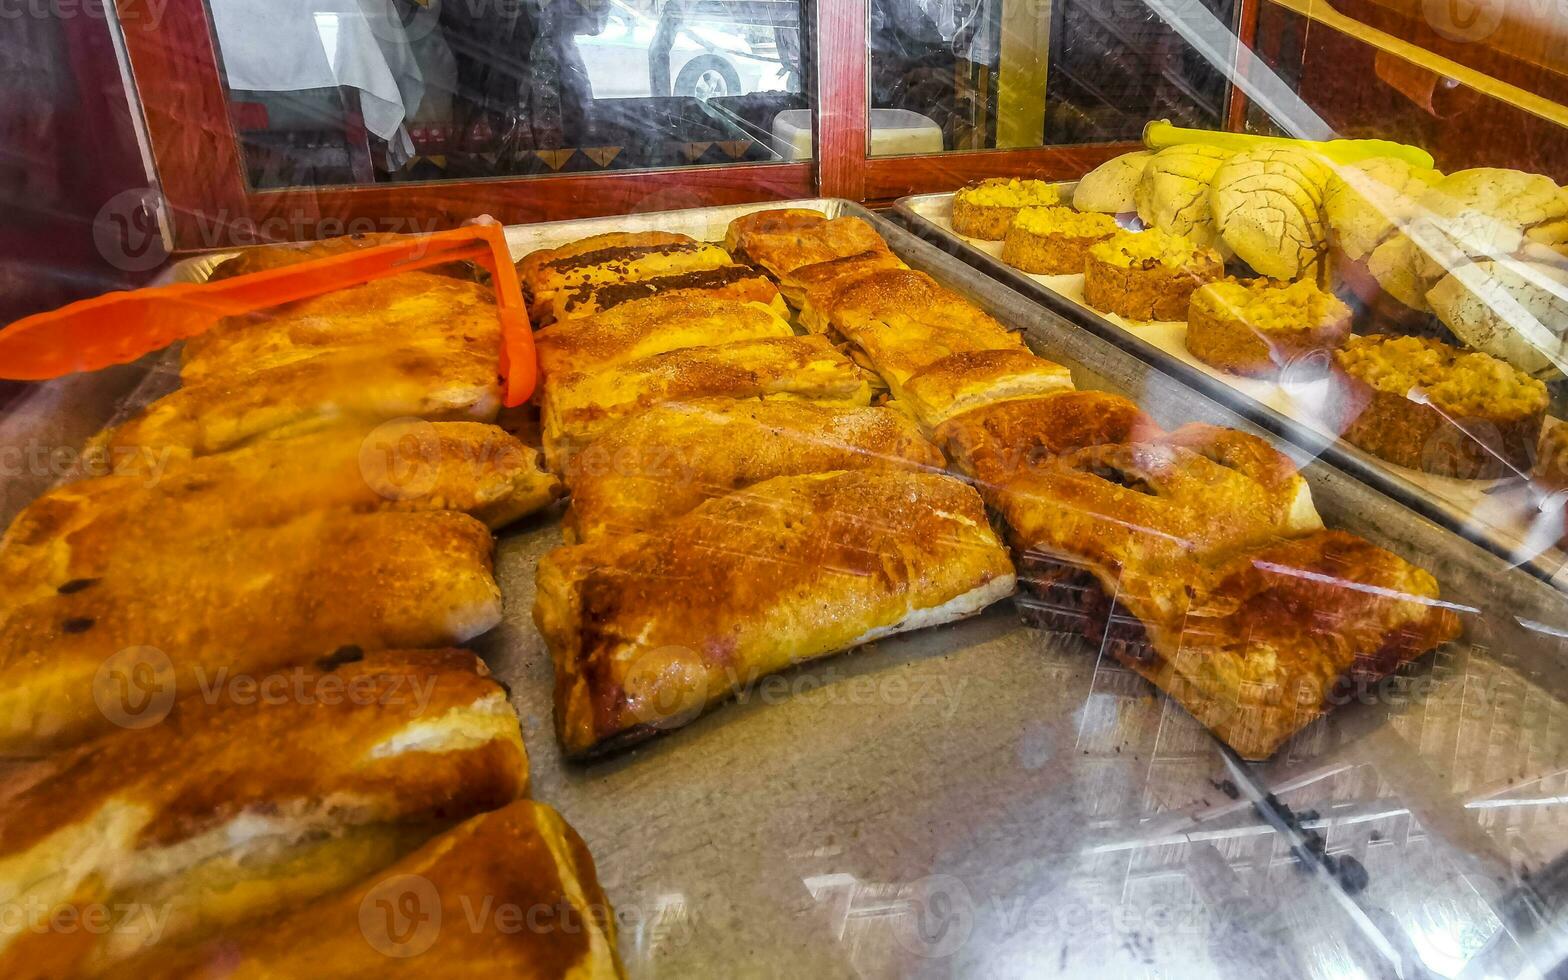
pixel 119 327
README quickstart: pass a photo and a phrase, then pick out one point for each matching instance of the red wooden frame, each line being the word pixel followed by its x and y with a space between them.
pixel 193 137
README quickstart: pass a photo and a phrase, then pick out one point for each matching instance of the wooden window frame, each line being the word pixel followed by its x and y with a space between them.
pixel 209 205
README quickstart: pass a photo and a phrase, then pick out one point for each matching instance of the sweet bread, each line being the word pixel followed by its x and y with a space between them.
pixel 1147 275
pixel 992 442
pixel 1420 403
pixel 1054 241
pixel 531 268
pixel 645 327
pixel 782 251
pixel 733 281
pixel 581 273
pixel 770 221
pixel 984 208
pixel 1258 327
pixel 799 284
pixel 967 380
pixel 648 630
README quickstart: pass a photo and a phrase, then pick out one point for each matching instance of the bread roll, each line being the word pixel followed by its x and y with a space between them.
pixel 1516 311
pixel 1173 194
pixel 1111 188
pixel 1268 207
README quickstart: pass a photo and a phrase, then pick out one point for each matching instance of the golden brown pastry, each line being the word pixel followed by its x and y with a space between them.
pixel 1147 275
pixel 1276 635
pixel 263 258
pixel 735 282
pixel 967 380
pixel 1420 403
pixel 522 869
pixel 1259 327
pixel 990 443
pixel 782 251
pixel 245 600
pixel 647 630
pixel 825 275
pixel 1054 241
pixel 1175 193
pixel 651 326
pixel 769 222
pixel 661 464
pixel 247 802
pixel 531 268
pixel 984 208
pixel 73 531
pixel 363 385
pixel 1268 208
pixel 580 406
pixel 414 310
pixel 581 273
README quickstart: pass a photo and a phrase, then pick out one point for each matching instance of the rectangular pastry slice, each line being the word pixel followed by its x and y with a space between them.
pixel 647 630
pixel 578 407
pixel 782 251
pixel 995 441
pixel 771 221
pixel 262 258
pixel 907 315
pixel 736 282
pixel 412 310
pixel 661 464
pixel 800 283
pixel 72 532
pixel 511 893
pixel 531 268
pixel 584 271
pixel 1276 635
pixel 968 380
pixel 644 327
pixel 265 794
pixel 247 600
pixel 365 385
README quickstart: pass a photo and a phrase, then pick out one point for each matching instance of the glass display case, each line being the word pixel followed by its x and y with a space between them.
pixel 921 487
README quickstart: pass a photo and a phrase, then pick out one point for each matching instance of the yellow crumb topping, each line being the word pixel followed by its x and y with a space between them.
pixel 1457 382
pixel 1010 193
pixel 1065 221
pixel 1273 307
pixel 1129 248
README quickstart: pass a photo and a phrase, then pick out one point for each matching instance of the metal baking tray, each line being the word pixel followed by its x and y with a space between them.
pixel 984 799
pixel 1499 514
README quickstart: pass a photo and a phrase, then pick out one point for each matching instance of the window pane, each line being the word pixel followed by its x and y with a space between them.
pixel 360 91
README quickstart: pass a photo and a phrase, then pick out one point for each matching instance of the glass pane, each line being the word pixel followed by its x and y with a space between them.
pixel 362 91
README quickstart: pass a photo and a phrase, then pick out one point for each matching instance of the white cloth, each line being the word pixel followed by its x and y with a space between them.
pixel 291 45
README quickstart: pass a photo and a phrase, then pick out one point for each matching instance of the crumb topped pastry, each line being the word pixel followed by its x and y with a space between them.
pixel 1257 327
pixel 1054 241
pixel 985 208
pixel 1147 275
pixel 1423 404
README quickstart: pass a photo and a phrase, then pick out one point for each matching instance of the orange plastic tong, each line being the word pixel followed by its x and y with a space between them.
pixel 119 327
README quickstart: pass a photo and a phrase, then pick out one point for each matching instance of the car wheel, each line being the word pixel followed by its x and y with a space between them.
pixel 706 77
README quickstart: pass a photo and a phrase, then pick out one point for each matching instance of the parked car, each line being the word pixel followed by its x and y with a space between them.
pixel 706 60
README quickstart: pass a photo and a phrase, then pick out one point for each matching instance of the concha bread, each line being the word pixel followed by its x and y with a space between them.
pixel 1370 199
pixel 1515 311
pixel 1112 187
pixel 1173 193
pixel 1268 207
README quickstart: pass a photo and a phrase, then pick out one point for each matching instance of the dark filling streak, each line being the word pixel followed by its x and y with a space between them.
pixel 614 294
pixel 615 252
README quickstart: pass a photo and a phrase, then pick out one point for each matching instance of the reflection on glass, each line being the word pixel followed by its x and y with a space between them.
pixel 360 91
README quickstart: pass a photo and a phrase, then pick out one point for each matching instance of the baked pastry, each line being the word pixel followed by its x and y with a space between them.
pixel 247 803
pixel 531 268
pixel 1147 275
pixel 984 208
pixel 414 310
pixel 522 864
pixel 1112 187
pixel 651 326
pixel 1175 192
pixel 1268 209
pixel 580 273
pixel 579 406
pixel 73 531
pixel 648 630
pixel 661 464
pixel 362 385
pixel 246 601
pixel 1259 327
pixel 1054 241
pixel 1369 200
pixel 783 250
pixel 1275 635
pixel 769 221
pixel 797 285
pixel 1420 403
pixel 1516 311
pixel 991 442
pixel 263 258
pixel 733 281
pixel 967 380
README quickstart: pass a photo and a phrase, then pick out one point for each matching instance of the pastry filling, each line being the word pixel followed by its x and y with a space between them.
pixel 1012 193
pixel 1455 382
pixel 1065 221
pixel 1127 249
pixel 1274 308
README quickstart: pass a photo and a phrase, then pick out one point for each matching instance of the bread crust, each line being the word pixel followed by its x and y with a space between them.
pixel 1147 290
pixel 984 221
pixel 1048 255
pixel 1223 336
